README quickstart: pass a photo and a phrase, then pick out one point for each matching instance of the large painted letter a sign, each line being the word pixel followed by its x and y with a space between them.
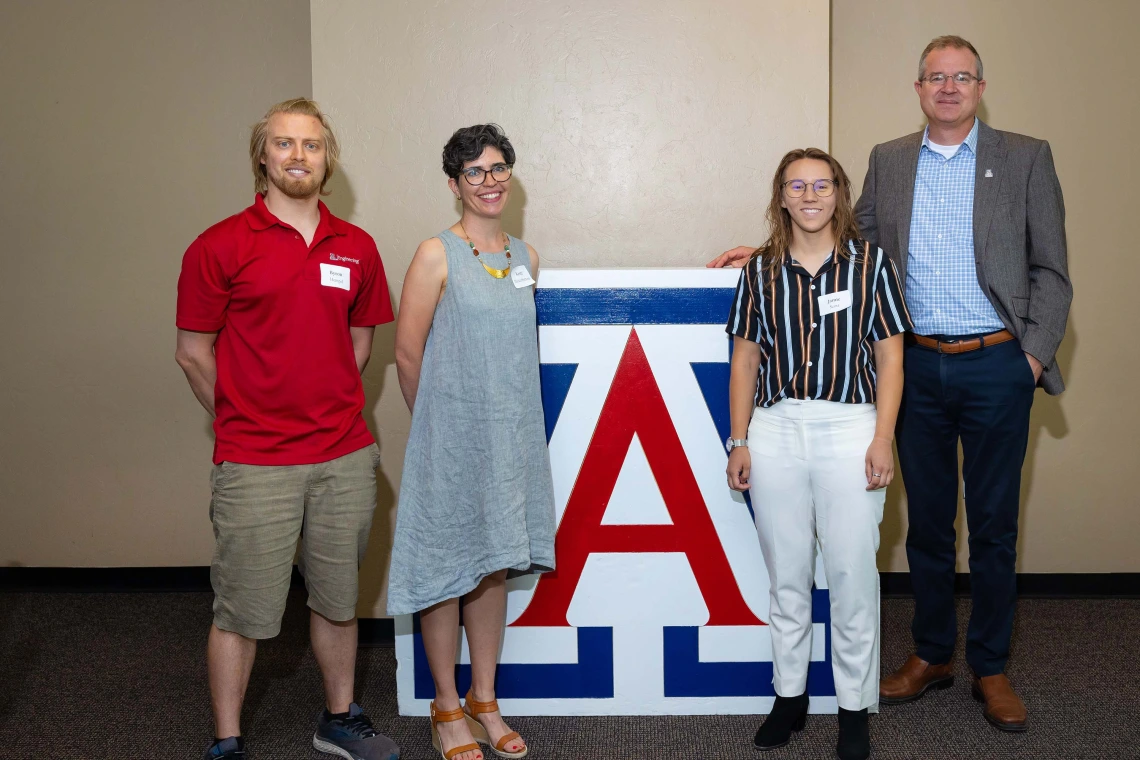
pixel 659 601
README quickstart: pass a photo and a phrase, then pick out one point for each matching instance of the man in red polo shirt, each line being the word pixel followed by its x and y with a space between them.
pixel 276 310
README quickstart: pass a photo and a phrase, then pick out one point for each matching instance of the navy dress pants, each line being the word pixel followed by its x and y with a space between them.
pixel 982 398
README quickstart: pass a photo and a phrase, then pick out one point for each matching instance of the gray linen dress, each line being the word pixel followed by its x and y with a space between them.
pixel 476 494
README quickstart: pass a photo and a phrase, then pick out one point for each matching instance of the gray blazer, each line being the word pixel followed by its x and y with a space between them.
pixel 1019 232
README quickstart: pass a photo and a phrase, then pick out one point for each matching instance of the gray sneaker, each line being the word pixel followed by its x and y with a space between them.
pixel 353 738
pixel 232 748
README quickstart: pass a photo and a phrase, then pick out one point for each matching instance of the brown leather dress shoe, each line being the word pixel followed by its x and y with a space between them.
pixel 913 679
pixel 1004 709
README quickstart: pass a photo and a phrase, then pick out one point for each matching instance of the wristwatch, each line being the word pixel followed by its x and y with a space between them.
pixel 733 443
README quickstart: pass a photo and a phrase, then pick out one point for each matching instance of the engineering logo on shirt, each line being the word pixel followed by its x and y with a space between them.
pixel 659 601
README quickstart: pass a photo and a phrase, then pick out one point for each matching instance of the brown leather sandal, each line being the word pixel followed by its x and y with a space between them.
pixel 448 716
pixel 473 709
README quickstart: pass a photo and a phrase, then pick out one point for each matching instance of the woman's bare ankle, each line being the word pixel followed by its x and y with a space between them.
pixel 482 695
pixel 446 701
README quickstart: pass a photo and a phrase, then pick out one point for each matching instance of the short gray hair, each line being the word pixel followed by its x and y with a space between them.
pixel 947 41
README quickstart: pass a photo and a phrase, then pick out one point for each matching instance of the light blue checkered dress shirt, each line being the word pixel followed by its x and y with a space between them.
pixel 942 290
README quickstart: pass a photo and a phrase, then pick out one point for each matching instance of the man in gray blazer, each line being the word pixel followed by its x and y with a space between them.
pixel 974 221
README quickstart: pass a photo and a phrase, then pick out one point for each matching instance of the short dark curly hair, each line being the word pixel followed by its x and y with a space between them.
pixel 468 143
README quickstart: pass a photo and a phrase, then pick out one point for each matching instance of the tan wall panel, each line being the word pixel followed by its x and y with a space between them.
pixel 125 134
pixel 646 135
pixel 1054 71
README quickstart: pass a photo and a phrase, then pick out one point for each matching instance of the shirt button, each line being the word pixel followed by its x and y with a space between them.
pixel 809 364
pixel 941 200
pixel 298 237
pixel 813 286
pixel 939 236
pixel 813 324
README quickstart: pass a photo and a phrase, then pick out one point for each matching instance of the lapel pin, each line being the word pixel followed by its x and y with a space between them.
pixel 989 172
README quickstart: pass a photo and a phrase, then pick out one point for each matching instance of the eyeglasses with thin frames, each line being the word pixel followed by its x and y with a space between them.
pixel 939 79
pixel 477 175
pixel 795 188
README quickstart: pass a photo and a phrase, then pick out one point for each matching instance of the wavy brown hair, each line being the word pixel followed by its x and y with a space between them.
pixel 259 135
pixel 843 225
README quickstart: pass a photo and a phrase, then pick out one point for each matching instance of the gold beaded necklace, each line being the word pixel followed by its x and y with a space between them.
pixel 498 274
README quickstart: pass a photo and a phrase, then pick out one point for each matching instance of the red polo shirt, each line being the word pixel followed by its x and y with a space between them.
pixel 288 391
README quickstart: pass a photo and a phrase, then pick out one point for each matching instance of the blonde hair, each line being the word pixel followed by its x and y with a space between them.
pixel 843 226
pixel 260 134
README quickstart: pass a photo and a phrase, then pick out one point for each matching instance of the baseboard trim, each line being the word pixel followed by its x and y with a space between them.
pixel 1035 585
pixel 374 632
pixel 103 580
pixel 111 580
pixel 377 632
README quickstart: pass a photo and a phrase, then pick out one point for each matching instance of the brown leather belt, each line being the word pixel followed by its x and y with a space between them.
pixel 960 346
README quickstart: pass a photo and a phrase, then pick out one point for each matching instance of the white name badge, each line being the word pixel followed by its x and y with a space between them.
pixel 334 276
pixel 829 303
pixel 520 277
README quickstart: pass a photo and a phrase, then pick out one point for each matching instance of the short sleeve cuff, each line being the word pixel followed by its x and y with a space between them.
pixel 199 325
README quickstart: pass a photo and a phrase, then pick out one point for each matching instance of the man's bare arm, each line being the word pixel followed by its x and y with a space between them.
pixel 195 355
pixel 362 345
pixel 735 257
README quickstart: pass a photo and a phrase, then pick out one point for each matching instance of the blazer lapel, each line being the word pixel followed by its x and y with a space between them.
pixel 904 181
pixel 988 178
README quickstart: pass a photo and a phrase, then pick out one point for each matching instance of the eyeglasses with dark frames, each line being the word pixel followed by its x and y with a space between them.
pixel 795 188
pixel 477 175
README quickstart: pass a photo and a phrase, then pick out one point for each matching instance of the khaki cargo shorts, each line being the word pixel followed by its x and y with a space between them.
pixel 259 512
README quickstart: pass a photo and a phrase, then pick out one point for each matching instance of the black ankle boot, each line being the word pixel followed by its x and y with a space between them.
pixel 854 735
pixel 788 715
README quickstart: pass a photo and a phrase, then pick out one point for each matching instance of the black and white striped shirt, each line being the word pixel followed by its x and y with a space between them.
pixel 807 356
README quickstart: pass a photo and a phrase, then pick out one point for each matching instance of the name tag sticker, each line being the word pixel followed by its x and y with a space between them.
pixel 334 276
pixel 521 277
pixel 829 303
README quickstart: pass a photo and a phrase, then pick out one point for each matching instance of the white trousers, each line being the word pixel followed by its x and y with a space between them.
pixel 808 485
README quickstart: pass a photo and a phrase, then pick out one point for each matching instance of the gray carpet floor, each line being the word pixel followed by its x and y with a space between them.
pixel 117 676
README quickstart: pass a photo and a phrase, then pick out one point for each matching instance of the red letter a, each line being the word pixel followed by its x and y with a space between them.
pixel 634 405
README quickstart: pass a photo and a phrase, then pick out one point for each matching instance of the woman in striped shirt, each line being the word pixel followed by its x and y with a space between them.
pixel 817 327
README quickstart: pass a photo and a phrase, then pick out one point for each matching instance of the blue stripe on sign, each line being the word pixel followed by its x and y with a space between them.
pixel 592 677
pixel 712 377
pixel 554 380
pixel 633 306
pixel 687 676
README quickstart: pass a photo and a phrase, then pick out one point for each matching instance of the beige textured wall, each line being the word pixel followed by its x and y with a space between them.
pixel 1057 70
pixel 123 135
pixel 646 132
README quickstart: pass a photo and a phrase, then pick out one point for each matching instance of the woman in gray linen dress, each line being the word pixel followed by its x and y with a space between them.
pixel 476 499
